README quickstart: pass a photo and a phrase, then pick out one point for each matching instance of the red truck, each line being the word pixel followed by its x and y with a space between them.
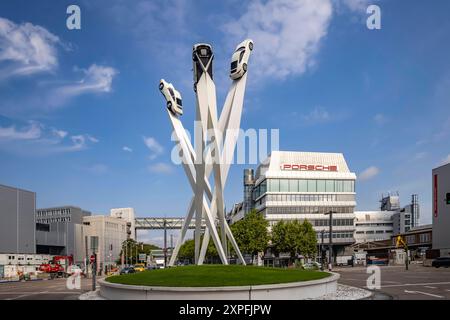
pixel 57 266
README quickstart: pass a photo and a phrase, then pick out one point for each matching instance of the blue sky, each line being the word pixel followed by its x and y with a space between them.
pixel 82 121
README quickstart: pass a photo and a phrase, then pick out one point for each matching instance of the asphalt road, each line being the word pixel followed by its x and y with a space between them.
pixel 418 283
pixel 55 289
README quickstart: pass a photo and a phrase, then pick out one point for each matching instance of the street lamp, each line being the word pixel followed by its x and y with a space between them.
pixel 330 237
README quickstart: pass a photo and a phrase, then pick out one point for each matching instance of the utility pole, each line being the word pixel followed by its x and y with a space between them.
pixel 94 272
pixel 165 243
pixel 322 260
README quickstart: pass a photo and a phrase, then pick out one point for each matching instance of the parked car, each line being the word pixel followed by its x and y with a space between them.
pixel 151 267
pixel 172 96
pixel 312 265
pixel 441 262
pixel 139 267
pixel 127 270
pixel 239 60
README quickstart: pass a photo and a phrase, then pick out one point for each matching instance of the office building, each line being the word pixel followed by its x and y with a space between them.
pixel 441 209
pixel 128 215
pixel 103 235
pixel 374 225
pixel 58 228
pixel 17 220
pixel 404 219
pixel 304 185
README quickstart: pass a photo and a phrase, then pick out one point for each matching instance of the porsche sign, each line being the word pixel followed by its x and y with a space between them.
pixel 308 167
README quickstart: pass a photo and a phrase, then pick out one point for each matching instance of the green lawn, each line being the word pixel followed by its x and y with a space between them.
pixel 216 276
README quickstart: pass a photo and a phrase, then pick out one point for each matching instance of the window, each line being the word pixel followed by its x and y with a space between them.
pixel 274 185
pixel 339 186
pixel 425 237
pixel 348 186
pixel 302 186
pixel 293 185
pixel 329 186
pixel 94 244
pixel 321 186
pixel 312 186
pixel 284 185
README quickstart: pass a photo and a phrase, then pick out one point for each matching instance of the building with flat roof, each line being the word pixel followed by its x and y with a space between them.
pixel 17 220
pixel 374 225
pixel 57 229
pixel 441 209
pixel 305 185
pixel 103 235
pixel 128 215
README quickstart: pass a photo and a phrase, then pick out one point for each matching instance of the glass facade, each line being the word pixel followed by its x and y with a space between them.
pixel 303 185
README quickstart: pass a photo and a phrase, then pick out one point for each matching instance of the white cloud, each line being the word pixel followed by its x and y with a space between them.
pixel 160 167
pixel 317 115
pixel 357 5
pixel 33 131
pixel 369 173
pixel 98 169
pixel 445 160
pixel 59 133
pixel 380 119
pixel 286 33
pixel 154 146
pixel 37 139
pixel 26 49
pixel 97 79
pixel 127 149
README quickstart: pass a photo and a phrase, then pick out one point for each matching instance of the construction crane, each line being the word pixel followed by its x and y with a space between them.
pixel 402 243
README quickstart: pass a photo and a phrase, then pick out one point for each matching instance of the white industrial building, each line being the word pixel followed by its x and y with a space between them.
pixel 128 215
pixel 103 235
pixel 374 225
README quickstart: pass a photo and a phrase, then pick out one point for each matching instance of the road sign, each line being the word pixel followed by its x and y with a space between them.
pixel 142 257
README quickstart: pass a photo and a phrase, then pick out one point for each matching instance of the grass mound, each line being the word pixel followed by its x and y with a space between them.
pixel 216 276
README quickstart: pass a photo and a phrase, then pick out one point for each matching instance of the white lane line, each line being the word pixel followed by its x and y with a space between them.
pixel 415 284
pixel 18 297
pixel 424 293
pixel 430 287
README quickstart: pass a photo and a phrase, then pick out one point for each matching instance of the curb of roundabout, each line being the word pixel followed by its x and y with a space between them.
pixel 283 291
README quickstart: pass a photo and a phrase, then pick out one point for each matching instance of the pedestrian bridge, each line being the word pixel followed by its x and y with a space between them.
pixel 152 223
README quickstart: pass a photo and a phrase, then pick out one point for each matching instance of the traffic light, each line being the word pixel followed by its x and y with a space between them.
pixel 448 198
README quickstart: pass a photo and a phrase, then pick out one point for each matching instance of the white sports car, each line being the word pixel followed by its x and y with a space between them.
pixel 239 60
pixel 202 56
pixel 173 97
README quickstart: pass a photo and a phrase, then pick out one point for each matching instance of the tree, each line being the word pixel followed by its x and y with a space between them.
pixel 308 243
pixel 294 237
pixel 132 248
pixel 251 233
pixel 187 250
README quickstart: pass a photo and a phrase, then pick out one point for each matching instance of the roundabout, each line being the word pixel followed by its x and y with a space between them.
pixel 218 282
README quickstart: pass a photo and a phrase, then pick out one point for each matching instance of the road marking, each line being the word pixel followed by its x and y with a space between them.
pixel 430 287
pixel 414 284
pixel 425 293
pixel 18 297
